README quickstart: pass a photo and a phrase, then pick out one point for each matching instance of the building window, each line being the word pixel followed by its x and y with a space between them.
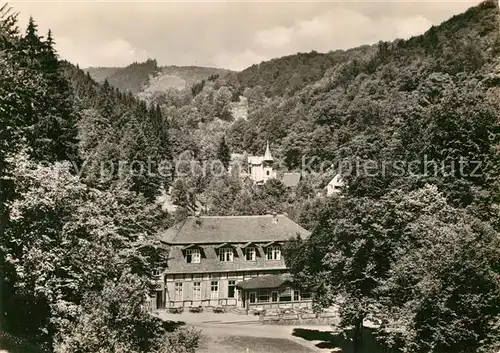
pixel 263 297
pixel 274 252
pixel 214 289
pixel 253 297
pixel 193 256
pixel 156 272
pixel 296 295
pixel 286 295
pixel 285 298
pixel 274 297
pixel 178 291
pixel 250 254
pixel 306 296
pixel 230 289
pixel 267 172
pixel 226 254
pixel 196 290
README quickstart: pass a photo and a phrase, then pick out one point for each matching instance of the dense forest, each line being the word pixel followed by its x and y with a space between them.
pixel 78 249
pixel 148 76
pixel 414 244
pixel 382 102
pixel 417 250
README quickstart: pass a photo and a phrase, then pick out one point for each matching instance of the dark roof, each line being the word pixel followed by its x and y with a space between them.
pixel 190 246
pixel 224 245
pixel 265 282
pixel 270 243
pixel 247 244
pixel 291 179
pixel 232 229
pixel 210 261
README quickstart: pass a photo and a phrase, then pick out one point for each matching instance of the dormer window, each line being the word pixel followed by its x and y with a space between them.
pixel 250 253
pixel 193 256
pixel 226 254
pixel 274 252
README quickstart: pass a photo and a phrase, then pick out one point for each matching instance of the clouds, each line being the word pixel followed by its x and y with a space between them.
pixel 115 52
pixel 237 60
pixel 232 35
pixel 275 37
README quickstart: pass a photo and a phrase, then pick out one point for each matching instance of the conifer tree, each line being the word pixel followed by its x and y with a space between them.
pixel 223 153
pixel 54 133
pixel 32 45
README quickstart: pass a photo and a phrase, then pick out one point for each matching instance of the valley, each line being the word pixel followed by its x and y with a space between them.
pixel 365 179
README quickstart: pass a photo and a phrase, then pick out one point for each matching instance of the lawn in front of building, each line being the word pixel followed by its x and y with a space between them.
pixel 253 338
pixel 248 344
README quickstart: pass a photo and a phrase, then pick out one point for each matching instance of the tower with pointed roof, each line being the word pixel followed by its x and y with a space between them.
pixel 267 155
pixel 260 168
pixel 267 164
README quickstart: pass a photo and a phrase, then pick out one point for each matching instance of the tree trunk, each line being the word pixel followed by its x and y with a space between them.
pixel 6 194
pixel 357 338
pixel 4 217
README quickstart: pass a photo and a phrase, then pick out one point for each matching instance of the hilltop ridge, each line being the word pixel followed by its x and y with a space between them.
pixel 147 77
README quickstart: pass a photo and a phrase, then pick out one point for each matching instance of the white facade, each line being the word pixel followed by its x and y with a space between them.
pixel 260 168
pixel 334 186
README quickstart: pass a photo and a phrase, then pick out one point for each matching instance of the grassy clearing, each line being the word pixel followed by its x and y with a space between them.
pixel 248 344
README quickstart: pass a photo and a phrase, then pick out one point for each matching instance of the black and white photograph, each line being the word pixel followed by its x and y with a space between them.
pixel 244 176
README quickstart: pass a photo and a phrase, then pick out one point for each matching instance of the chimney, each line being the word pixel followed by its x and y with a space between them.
pixel 275 217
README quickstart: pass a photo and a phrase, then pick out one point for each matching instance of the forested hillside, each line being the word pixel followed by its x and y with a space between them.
pixel 288 75
pixel 77 241
pixel 100 74
pixel 380 102
pixel 354 96
pixel 148 77
pixel 413 244
pixel 414 241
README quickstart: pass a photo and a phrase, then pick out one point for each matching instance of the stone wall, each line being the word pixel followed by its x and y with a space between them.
pixel 300 318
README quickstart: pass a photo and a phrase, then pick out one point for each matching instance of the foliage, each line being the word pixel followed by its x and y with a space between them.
pixel 133 77
pixel 414 245
pixel 52 135
pixel 379 258
pixel 115 320
pixel 223 153
pixel 122 141
pixel 65 240
pixel 77 251
pixel 77 238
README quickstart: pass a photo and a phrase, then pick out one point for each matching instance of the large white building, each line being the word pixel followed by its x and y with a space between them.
pixel 260 168
pixel 233 261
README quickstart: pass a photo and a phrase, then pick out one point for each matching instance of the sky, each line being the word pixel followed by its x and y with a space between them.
pixel 224 34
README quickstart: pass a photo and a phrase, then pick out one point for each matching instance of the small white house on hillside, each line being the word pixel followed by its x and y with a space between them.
pixel 261 167
pixel 335 185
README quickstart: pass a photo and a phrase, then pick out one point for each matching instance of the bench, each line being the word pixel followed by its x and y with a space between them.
pixel 176 310
pixel 195 309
